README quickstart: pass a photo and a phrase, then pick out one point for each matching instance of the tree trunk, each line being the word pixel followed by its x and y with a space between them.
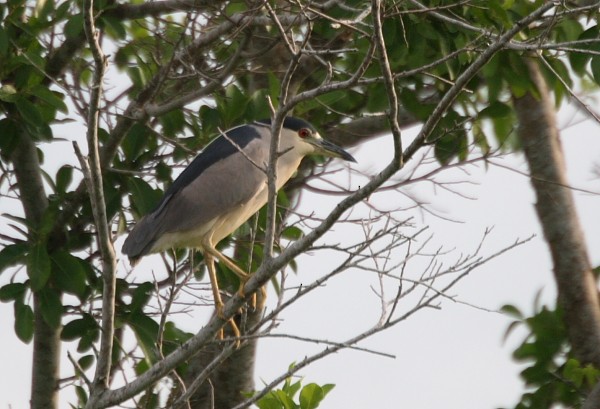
pixel 578 295
pixel 46 342
pixel 231 379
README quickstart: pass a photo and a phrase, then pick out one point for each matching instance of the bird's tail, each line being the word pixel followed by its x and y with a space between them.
pixel 141 239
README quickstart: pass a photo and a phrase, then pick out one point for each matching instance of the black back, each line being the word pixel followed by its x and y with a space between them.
pixel 290 122
pixel 219 149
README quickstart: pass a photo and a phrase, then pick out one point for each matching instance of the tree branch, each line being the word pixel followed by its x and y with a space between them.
pixel 388 80
pixel 93 179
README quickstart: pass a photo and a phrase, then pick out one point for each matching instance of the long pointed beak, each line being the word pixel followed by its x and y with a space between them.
pixel 327 148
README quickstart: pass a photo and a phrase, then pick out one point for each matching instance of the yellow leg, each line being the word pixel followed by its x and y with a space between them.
pixel 260 298
pixel 243 276
pixel 210 265
pixel 227 261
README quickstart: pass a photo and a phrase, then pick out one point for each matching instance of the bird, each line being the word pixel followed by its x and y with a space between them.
pixel 221 189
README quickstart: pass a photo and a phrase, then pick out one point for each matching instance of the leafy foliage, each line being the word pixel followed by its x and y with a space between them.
pixel 310 396
pixel 552 375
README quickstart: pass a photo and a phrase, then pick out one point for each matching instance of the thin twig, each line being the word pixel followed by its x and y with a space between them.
pixel 388 80
pixel 93 178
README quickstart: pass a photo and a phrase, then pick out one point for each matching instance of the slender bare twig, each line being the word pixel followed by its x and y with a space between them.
pixel 591 113
pixel 93 178
pixel 80 370
pixel 388 80
pixel 278 116
pixel 427 301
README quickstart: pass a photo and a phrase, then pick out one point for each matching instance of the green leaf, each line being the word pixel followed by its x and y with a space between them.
pixel 146 331
pixel 172 122
pixel 285 399
pixel 572 372
pixel 86 361
pixel 163 172
pixel 68 273
pixel 8 93
pixel 143 197
pixel 377 99
pixel 595 66
pixel 29 112
pixel 292 388
pixel 63 179
pixel 579 60
pixel 52 308
pixel 87 340
pixel 210 119
pixel 81 395
pixel 235 105
pixel 480 138
pixel 38 266
pixel 451 145
pixel 10 136
pixel 174 334
pixel 591 375
pixel 135 141
pixel 504 130
pixel 310 396
pixel 327 388
pixel 269 402
pixel 23 322
pixel 141 296
pixel 292 233
pixel 52 98
pixel 512 311
pixel 496 109
pixel 136 75
pixel 74 26
pixel 517 75
pixel 43 10
pixel 411 102
pixel 4 41
pixel 78 328
pixel 114 27
pixel 12 254
pixel 12 291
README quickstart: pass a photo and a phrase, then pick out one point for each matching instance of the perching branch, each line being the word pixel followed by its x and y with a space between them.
pixel 278 116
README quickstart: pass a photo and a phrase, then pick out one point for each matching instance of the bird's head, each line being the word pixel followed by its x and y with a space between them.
pixel 305 133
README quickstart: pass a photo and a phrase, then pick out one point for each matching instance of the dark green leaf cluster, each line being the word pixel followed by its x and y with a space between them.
pixel 552 375
pixel 310 396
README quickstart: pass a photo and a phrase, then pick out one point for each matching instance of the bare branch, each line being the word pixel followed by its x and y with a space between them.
pixel 388 79
pixel 93 179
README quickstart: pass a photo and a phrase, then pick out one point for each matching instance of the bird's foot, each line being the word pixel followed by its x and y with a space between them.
pixel 234 328
pixel 257 300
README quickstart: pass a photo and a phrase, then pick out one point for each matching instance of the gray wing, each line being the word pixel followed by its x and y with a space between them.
pixel 217 190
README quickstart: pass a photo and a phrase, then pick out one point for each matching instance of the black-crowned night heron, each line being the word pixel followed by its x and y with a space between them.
pixel 222 188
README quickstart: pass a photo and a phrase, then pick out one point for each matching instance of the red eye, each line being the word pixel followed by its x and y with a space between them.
pixel 304 133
